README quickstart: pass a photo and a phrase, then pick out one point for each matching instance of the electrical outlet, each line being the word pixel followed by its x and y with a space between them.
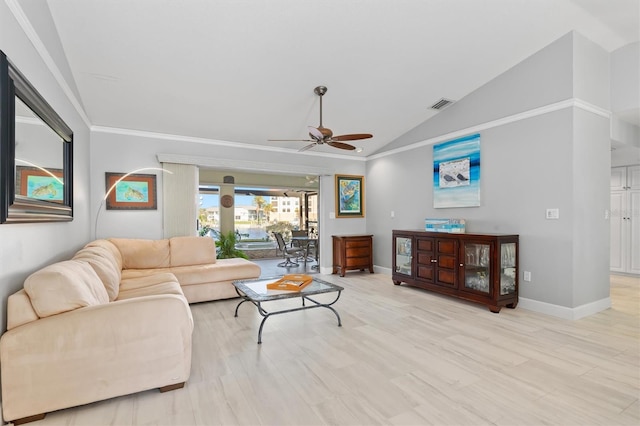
pixel 393 214
pixel 527 275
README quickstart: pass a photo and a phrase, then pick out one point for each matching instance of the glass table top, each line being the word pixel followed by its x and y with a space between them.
pixel 256 289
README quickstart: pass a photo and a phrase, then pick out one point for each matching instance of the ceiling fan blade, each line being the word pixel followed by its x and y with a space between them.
pixel 315 133
pixel 306 147
pixel 341 145
pixel 289 140
pixel 353 137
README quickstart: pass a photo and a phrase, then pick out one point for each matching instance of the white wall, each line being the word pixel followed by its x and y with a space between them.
pixel 25 248
pixel 126 151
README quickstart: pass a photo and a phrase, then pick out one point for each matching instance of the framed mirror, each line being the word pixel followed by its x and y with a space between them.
pixel 36 154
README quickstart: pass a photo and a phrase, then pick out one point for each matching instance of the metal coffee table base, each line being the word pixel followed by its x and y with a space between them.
pixel 266 314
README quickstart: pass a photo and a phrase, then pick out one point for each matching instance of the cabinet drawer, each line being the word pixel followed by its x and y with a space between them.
pixel 357 243
pixel 357 252
pixel 362 262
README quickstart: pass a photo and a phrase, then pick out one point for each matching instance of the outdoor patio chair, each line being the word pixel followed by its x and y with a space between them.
pixel 287 252
pixel 295 233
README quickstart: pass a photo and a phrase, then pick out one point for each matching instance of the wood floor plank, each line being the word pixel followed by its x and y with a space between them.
pixel 403 356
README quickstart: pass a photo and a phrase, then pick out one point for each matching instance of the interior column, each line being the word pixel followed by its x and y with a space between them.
pixel 227 208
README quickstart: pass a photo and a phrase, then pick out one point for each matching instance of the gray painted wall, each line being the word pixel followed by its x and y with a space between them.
pixel 591 198
pixel 625 78
pixel 540 80
pixel 558 159
pixel 625 102
pixel 591 72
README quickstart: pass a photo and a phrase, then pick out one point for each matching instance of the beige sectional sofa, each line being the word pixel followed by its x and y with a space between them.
pixel 113 320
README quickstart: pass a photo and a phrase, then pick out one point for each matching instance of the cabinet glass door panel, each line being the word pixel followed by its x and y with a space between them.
pixel 508 270
pixel 403 255
pixel 477 267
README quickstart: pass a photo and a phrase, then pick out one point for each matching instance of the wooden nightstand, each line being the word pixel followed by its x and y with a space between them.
pixel 352 252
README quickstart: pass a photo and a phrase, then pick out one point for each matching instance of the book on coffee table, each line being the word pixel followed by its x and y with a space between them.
pixel 293 282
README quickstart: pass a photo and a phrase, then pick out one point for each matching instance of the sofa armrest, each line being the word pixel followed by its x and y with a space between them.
pixel 95 353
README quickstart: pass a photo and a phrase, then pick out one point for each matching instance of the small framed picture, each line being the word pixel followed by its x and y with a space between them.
pixel 39 183
pixel 349 196
pixel 130 192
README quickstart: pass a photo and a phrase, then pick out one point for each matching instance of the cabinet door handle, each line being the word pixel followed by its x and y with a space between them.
pixel 434 261
pixel 461 265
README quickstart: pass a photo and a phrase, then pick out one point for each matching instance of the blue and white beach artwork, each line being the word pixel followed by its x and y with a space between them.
pixel 456 173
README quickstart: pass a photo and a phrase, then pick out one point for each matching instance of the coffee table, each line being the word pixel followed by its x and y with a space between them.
pixel 255 291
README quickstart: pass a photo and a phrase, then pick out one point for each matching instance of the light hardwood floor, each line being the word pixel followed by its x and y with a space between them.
pixel 403 356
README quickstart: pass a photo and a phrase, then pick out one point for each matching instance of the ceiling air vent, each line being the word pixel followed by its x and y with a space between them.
pixel 442 104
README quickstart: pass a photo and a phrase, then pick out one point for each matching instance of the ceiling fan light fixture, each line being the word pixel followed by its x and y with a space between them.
pixel 327 133
pixel 322 135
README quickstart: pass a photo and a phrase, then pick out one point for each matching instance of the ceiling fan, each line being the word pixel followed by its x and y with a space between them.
pixel 311 180
pixel 321 135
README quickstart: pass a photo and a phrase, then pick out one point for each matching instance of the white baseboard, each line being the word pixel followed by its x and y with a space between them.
pixel 377 269
pixel 382 270
pixel 544 307
pixel 563 311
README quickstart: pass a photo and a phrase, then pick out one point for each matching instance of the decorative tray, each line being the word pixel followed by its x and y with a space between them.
pixel 293 282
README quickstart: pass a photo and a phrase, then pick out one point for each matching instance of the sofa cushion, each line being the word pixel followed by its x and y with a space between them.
pixel 192 251
pixel 117 256
pixel 224 270
pixel 128 274
pixel 143 254
pixel 103 262
pixel 64 286
pixel 20 310
pixel 150 285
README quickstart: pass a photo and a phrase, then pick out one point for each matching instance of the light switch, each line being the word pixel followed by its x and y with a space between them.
pixel 553 214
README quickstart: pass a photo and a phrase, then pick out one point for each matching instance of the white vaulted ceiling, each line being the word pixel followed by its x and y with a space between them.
pixel 244 70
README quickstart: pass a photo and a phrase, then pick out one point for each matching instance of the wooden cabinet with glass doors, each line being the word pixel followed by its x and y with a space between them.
pixel 481 268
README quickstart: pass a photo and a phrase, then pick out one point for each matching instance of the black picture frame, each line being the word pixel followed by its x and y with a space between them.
pixel 16 208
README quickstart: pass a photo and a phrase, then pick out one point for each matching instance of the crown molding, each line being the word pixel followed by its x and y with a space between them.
pixel 216 142
pixel 244 165
pixel 568 103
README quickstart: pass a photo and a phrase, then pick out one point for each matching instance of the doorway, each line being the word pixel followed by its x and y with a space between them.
pixel 256 210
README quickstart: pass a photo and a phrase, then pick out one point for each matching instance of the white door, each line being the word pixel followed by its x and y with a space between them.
pixel 619 238
pixel 625 220
pixel 618 178
pixel 633 215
